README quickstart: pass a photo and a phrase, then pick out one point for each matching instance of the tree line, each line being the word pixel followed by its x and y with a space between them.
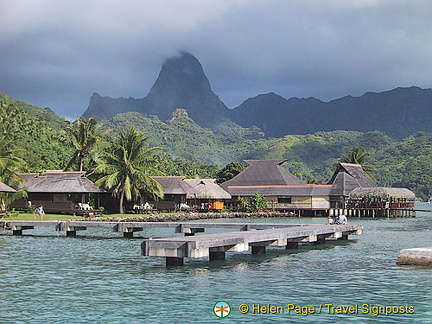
pixel 34 139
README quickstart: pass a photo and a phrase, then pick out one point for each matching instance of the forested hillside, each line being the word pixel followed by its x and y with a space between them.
pixel 181 136
pixel 38 135
pixel 41 140
pixel 312 157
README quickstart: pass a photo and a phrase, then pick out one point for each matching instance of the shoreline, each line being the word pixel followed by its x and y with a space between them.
pixel 193 216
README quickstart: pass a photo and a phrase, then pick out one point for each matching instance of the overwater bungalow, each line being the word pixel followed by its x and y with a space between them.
pixel 346 178
pixel 58 191
pixel 282 190
pixel 381 201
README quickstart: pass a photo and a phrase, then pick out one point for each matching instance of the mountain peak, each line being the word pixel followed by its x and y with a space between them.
pixel 180 74
pixel 184 64
pixel 182 83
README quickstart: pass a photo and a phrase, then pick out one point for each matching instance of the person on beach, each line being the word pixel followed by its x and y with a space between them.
pixel 40 211
pixel 330 220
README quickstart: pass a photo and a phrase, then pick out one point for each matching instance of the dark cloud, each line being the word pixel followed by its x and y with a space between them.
pixel 57 53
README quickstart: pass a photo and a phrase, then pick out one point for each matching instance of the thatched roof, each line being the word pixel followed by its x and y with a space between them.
pixel 207 189
pixel 6 188
pixel 175 185
pixel 382 193
pixel 59 182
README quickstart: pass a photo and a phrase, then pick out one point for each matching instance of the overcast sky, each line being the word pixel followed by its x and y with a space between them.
pixel 57 53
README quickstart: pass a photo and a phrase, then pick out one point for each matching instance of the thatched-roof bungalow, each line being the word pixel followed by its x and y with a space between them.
pixel 175 191
pixel 58 191
pixel 345 179
pixel 381 197
pixel 382 194
pixel 210 195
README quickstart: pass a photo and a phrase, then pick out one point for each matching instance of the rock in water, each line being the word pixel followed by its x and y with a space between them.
pixel 416 256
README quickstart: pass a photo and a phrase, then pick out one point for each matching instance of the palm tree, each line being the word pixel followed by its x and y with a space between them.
pixel 359 155
pixel 10 164
pixel 84 135
pixel 126 167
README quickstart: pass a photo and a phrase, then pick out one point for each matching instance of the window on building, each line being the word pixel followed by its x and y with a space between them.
pixel 284 200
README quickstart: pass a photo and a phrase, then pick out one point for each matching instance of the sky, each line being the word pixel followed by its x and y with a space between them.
pixel 57 53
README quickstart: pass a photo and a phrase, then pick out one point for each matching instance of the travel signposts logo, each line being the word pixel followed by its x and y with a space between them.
pixel 221 309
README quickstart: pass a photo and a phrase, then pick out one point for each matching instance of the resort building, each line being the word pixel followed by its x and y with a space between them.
pixel 176 190
pixel 282 189
pixel 58 192
pixel 348 192
pixel 210 195
pixel 345 179
pixel 182 193
pixel 284 192
pixel 5 188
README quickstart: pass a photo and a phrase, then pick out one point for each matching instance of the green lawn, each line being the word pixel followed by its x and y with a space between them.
pixel 47 217
pixel 52 217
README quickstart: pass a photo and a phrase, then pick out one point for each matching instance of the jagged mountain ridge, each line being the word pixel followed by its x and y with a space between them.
pixel 182 83
pixel 398 113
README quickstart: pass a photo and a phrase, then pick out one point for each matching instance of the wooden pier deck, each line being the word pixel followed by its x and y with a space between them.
pixel 239 237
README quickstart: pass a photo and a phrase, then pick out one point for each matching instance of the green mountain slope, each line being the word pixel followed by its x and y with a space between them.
pixel 195 151
pixel 181 136
pixel 404 163
pixel 38 134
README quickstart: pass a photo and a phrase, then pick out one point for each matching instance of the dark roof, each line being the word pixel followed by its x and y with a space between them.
pixel 59 182
pixel 307 190
pixel 263 173
pixel 6 188
pixel 347 177
pixel 176 185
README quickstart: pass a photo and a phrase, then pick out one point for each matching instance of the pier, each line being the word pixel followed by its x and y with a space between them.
pixel 70 228
pixel 238 237
pixel 379 212
pixel 214 246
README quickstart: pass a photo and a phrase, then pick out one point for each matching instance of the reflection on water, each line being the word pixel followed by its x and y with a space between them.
pixel 51 278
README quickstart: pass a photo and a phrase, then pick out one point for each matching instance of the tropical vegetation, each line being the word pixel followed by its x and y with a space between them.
pixel 39 140
pixel 126 166
pixel 84 135
pixel 358 155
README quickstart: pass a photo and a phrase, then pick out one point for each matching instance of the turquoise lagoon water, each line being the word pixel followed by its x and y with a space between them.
pixel 100 277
